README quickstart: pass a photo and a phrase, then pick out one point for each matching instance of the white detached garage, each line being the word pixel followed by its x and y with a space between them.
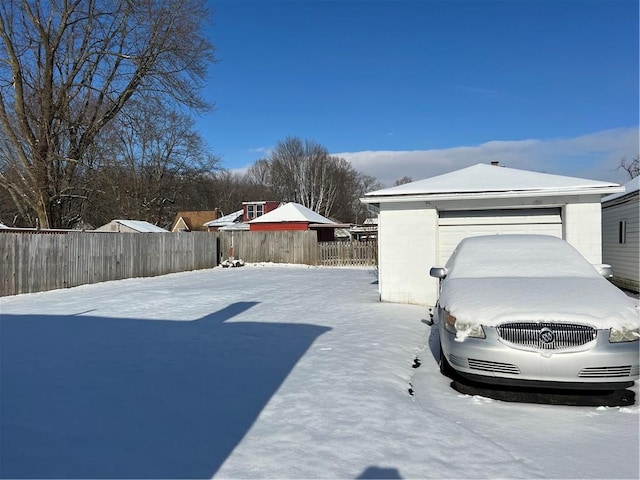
pixel 421 223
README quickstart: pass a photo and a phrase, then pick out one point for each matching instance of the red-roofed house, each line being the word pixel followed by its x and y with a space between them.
pixel 252 210
pixel 293 216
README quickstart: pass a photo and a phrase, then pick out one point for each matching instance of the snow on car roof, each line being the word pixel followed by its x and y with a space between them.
pixel 517 256
pixel 584 301
pixel 498 278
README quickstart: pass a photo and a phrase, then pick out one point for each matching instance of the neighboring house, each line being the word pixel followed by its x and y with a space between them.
pixel 236 226
pixel 130 226
pixel 225 222
pixel 420 223
pixel 253 210
pixel 293 216
pixel 620 232
pixel 367 231
pixel 239 220
pixel 194 221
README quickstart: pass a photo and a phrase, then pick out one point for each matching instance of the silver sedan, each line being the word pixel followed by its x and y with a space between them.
pixel 529 310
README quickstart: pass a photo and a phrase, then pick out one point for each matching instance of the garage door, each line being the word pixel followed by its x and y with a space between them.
pixel 459 224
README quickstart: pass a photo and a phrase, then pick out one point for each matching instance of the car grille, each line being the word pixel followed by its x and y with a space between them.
pixel 484 365
pixel 605 372
pixel 546 335
pixel 495 367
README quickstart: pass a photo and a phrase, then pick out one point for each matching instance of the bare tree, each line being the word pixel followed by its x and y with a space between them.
pixel 366 183
pixel 148 161
pixel 303 171
pixel 632 167
pixel 68 68
pixel 229 189
pixel 259 173
pixel 403 180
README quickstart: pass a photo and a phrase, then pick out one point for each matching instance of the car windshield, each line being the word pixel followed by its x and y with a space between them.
pixel 517 256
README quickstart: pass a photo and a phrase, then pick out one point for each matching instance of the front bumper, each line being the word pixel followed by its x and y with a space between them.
pixel 603 365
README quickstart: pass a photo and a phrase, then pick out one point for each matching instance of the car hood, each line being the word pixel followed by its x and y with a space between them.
pixel 492 301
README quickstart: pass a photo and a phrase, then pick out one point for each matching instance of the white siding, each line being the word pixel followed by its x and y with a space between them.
pixel 412 239
pixel 622 257
pixel 583 230
pixel 407 236
pixel 114 226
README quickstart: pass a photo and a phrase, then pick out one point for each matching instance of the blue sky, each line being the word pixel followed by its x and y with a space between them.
pixel 418 88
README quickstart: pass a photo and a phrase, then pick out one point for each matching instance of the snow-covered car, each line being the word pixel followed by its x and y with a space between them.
pixel 529 310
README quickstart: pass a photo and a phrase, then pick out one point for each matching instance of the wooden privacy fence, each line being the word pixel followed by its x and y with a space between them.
pixel 35 263
pixel 296 247
pixel 347 254
pixel 277 247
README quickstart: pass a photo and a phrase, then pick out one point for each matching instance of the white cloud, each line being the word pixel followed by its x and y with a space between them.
pixel 594 156
pixel 260 150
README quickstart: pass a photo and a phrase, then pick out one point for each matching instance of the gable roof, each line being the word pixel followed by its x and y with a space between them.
pixel 630 187
pixel 291 212
pixel 225 220
pixel 141 226
pixel 234 227
pixel 483 178
pixel 195 220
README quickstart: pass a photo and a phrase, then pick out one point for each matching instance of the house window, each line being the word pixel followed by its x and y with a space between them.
pixel 622 231
pixel 254 210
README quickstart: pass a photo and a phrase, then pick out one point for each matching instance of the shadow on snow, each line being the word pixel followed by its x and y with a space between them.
pixel 380 473
pixel 86 397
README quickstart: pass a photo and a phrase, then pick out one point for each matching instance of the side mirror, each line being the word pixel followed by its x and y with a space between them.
pixel 605 270
pixel 438 272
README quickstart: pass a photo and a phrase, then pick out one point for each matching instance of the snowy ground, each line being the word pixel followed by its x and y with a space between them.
pixel 267 372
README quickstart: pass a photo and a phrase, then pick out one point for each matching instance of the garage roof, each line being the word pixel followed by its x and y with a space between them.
pixel 483 179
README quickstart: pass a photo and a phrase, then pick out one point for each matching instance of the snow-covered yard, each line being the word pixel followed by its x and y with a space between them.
pixel 266 372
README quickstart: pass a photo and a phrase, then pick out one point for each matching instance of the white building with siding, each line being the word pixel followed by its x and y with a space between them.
pixel 130 226
pixel 620 233
pixel 420 223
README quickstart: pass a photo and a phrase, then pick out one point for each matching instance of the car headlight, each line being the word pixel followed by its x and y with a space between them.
pixel 453 325
pixel 617 335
